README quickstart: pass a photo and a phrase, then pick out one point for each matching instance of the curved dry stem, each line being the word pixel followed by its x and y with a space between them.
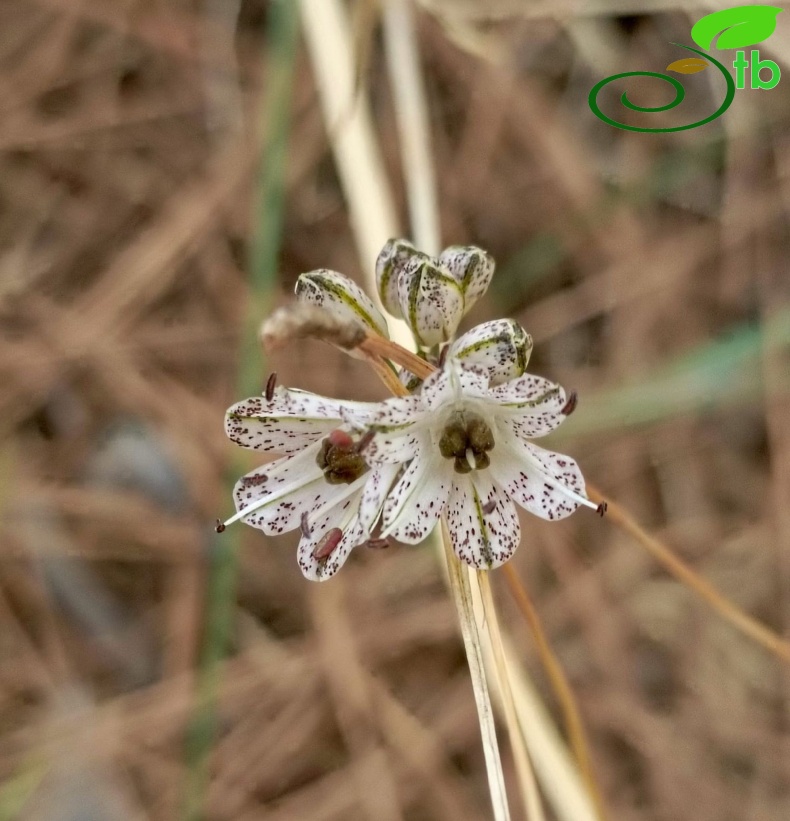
pixel 683 573
pixel 562 689
pixel 462 595
pixel 387 376
pixel 379 346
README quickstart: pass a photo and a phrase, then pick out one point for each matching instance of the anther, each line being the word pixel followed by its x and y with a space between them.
pixel 305 525
pixel 340 439
pixel 570 406
pixel 219 527
pixel 327 543
pixel 601 509
pixel 489 506
pixel 271 383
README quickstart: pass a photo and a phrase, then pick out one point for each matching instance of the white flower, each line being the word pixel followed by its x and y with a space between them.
pixel 467 455
pixel 321 485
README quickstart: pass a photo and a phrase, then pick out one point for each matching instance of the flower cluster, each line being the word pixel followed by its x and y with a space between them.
pixel 457 445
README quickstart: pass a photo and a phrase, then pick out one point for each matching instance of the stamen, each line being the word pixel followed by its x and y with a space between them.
pixel 489 507
pixel 443 356
pixel 271 383
pixel 572 494
pixel 570 406
pixel 470 458
pixel 340 439
pixel 274 496
pixel 366 438
pixel 305 525
pixel 219 527
pixel 327 543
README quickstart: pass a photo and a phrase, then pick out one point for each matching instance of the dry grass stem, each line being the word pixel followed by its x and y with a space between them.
pixel 458 575
pixel 559 682
pixel 685 574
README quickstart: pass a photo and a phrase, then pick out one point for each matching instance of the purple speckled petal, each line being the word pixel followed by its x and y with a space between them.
pixel 415 503
pixel 288 422
pixel 482 521
pixel 471 267
pixel 431 301
pixel 341 296
pixel 294 485
pixel 537 479
pixel 501 348
pixel 342 516
pixel 377 486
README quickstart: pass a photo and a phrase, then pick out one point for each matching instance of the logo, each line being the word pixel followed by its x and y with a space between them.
pixel 737 28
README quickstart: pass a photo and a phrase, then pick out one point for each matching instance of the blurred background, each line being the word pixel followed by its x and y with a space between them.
pixel 166 172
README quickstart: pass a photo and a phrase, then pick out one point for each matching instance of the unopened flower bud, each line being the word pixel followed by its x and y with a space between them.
pixel 431 301
pixel 501 348
pixel 471 267
pixel 389 264
pixel 342 297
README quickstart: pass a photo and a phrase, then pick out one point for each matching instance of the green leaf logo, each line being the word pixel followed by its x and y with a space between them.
pixel 739 27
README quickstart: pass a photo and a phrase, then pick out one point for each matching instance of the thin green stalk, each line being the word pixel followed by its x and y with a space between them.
pixel 267 222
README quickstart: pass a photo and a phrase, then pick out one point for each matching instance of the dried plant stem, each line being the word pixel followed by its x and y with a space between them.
pixel 386 375
pixel 348 122
pixel 704 589
pixel 412 118
pixel 378 346
pixel 462 595
pixel 559 682
pixel 526 777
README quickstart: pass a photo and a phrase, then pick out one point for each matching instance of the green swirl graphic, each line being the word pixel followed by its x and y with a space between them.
pixel 679 95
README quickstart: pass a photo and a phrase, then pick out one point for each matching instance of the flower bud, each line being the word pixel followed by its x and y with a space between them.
pixel 389 264
pixel 431 301
pixel 471 267
pixel 342 297
pixel 501 348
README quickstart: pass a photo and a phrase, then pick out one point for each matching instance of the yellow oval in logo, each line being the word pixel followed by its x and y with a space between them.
pixel 688 65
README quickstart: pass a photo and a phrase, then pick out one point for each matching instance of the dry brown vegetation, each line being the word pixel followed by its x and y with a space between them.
pixel 652 272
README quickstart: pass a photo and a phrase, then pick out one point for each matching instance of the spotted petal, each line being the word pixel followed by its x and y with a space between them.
pixel 548 484
pixel 389 264
pixel 294 485
pixel 451 384
pixel 483 524
pixel 288 422
pixel 342 296
pixel 501 348
pixel 530 406
pixel 344 517
pixel 376 489
pixel 471 267
pixel 431 301
pixel 415 503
